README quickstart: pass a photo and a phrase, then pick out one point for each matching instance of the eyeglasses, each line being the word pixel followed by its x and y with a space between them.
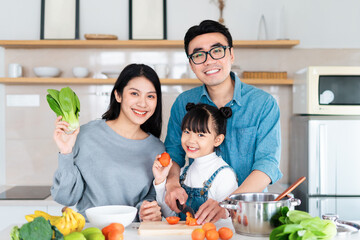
pixel 216 53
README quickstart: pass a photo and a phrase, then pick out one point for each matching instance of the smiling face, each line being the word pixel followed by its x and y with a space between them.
pixel 200 144
pixel 138 101
pixel 211 72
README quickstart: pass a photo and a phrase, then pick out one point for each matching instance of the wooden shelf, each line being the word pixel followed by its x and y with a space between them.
pixel 112 81
pixel 9 44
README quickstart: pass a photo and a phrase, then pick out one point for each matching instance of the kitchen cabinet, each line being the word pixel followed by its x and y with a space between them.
pixel 13 212
pixel 16 214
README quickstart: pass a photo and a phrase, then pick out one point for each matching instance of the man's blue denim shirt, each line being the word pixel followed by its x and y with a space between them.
pixel 252 140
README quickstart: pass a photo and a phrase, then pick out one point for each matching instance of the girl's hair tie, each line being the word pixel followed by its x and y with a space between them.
pixel 190 106
pixel 226 112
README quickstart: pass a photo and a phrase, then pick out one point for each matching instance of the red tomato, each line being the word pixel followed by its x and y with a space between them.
pixel 164 159
pixel 173 220
pixel 118 227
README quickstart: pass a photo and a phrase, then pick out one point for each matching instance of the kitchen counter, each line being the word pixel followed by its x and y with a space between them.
pixel 131 233
pixel 25 202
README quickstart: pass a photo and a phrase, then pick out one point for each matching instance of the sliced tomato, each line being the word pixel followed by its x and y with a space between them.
pixel 173 220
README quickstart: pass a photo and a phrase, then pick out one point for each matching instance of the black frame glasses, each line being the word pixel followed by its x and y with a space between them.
pixel 210 52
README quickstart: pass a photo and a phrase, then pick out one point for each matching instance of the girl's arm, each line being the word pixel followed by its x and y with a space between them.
pixel 160 198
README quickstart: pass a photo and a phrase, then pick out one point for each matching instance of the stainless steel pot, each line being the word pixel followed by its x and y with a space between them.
pixel 251 212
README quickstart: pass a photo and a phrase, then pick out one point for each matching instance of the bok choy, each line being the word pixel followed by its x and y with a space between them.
pixel 65 103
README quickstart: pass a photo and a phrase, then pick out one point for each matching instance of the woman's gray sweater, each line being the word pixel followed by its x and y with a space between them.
pixel 105 168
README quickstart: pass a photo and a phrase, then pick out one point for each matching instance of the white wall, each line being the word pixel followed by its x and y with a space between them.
pixel 316 23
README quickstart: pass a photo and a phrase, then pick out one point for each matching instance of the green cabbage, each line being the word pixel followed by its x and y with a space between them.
pixel 65 103
pixel 297 224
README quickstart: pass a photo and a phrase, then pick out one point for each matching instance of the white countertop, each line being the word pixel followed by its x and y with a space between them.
pixel 131 233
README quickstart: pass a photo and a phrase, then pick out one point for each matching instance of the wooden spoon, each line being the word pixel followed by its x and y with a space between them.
pixel 291 188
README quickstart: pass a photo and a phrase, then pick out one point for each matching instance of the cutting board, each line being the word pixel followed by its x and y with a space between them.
pixel 164 228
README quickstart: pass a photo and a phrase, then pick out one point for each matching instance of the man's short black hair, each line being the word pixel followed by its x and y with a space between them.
pixel 206 26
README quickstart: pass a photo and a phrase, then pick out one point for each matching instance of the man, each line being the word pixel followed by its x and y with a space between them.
pixel 252 144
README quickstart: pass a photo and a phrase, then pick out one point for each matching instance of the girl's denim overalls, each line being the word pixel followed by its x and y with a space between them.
pixel 197 196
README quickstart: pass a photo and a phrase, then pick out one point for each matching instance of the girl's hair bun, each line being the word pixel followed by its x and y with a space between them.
pixel 226 112
pixel 190 106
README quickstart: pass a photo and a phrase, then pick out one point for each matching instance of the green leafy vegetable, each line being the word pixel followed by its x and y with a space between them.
pixel 15 233
pixel 57 234
pixel 300 225
pixel 38 229
pixel 65 103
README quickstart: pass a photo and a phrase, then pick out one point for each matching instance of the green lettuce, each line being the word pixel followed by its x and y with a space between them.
pixel 65 103
pixel 300 225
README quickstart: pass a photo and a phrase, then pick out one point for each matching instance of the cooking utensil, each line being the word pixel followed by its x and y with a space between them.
pixel 291 188
pixel 252 213
pixel 164 228
pixel 184 208
pixel 342 227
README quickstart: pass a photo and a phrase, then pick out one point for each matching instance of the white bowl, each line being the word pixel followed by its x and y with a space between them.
pixel 111 74
pixel 46 71
pixel 80 72
pixel 104 215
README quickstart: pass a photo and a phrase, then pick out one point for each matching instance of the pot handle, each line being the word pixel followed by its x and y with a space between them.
pixel 295 202
pixel 228 204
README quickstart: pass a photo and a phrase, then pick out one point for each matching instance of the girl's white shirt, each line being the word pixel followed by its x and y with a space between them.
pixel 199 171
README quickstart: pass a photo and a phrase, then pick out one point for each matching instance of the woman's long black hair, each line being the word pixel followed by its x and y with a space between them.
pixel 153 124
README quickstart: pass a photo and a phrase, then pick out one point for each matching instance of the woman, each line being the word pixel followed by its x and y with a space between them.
pixel 109 162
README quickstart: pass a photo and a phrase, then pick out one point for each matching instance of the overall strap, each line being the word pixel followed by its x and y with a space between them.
pixel 183 175
pixel 207 184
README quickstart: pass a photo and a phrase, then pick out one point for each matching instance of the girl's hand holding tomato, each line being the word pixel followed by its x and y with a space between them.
pixel 164 159
pixel 160 172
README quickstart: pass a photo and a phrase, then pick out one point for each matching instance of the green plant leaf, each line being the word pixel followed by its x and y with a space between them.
pixel 55 94
pixel 284 211
pixel 54 105
pixel 67 100
pixel 68 106
pixel 289 228
pixel 276 231
pixel 77 105
pixel 296 216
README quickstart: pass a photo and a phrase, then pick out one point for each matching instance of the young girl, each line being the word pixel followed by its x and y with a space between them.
pixel 208 177
pixel 109 161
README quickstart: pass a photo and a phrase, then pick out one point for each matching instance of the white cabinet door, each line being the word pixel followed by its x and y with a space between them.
pixel 10 215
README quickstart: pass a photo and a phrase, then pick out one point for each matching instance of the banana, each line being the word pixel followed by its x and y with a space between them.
pixel 70 221
pixel 47 216
pixel 42 214
pixel 74 223
pixel 30 217
pixel 79 218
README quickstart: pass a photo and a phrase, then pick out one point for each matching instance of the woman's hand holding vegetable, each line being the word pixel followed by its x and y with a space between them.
pixel 65 142
pixel 150 211
pixel 160 172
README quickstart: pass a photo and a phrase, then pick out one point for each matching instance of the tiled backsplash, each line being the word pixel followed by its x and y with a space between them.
pixel 31 154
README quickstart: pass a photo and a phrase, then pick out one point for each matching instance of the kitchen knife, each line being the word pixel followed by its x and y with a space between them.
pixel 184 208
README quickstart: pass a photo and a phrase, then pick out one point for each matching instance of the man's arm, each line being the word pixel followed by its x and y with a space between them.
pixel 257 181
pixel 173 147
pixel 173 188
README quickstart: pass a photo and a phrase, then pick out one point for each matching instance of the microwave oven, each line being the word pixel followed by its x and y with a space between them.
pixel 327 90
